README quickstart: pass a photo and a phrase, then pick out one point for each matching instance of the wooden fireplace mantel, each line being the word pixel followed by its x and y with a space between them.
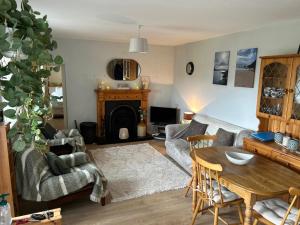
pixel 117 95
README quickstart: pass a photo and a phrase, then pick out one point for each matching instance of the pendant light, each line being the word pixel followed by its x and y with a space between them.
pixel 138 44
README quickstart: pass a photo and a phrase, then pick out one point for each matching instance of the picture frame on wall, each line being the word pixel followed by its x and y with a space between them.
pixel 245 67
pixel 221 67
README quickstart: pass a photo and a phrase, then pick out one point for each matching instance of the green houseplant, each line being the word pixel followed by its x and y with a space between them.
pixel 26 60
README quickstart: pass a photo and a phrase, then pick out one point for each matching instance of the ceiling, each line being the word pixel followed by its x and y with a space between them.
pixel 166 22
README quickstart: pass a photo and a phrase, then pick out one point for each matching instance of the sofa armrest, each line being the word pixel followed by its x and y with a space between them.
pixel 175 130
pixel 238 143
pixel 75 159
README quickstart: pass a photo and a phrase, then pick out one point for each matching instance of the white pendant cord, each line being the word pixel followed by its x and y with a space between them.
pixel 139 30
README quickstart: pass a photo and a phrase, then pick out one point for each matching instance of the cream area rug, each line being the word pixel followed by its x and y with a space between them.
pixel 136 170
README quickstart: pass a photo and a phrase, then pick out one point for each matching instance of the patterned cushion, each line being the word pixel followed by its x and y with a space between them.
pixel 195 128
pixel 226 194
pixel 274 211
pixel 224 138
pixel 57 165
pixel 48 131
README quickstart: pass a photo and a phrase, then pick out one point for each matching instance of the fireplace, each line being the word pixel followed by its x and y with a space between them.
pixel 117 109
pixel 121 114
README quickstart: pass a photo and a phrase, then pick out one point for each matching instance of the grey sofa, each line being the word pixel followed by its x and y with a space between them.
pixel 179 149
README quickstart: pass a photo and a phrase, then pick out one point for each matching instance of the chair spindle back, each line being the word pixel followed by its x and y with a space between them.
pixel 207 177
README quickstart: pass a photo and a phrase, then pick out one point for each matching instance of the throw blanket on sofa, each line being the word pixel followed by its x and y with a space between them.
pixel 72 137
pixel 35 182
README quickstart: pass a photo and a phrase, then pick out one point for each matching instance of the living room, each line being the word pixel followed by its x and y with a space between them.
pixel 192 66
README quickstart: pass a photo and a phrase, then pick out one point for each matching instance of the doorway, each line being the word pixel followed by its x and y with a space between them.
pixel 57 92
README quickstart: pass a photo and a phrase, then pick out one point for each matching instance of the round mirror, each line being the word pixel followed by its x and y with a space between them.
pixel 189 68
pixel 123 69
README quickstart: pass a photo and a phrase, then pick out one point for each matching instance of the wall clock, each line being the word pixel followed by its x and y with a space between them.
pixel 189 68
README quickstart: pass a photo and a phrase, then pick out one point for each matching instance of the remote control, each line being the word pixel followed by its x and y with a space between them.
pixel 37 216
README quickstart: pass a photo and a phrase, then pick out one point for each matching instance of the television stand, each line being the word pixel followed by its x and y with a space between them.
pixel 159 131
pixel 159 136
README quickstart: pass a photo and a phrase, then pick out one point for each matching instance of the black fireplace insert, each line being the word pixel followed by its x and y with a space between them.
pixel 121 114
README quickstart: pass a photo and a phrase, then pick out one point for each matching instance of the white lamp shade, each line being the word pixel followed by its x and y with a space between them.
pixel 138 45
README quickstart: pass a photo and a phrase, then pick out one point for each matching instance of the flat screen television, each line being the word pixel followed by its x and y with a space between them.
pixel 162 115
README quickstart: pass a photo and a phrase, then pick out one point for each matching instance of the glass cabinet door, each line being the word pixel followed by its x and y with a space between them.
pixel 296 97
pixel 274 89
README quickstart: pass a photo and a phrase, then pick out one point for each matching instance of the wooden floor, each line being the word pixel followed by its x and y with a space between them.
pixel 166 208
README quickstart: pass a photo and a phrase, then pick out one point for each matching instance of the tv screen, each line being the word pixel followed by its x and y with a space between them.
pixel 163 116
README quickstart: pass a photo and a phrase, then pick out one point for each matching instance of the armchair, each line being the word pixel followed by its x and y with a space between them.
pixel 36 182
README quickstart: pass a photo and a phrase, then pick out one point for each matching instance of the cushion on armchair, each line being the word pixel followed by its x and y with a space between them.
pixel 75 159
pixel 223 138
pixel 195 128
pixel 56 164
pixel 48 131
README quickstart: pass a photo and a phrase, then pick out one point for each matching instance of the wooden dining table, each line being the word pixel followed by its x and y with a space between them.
pixel 260 178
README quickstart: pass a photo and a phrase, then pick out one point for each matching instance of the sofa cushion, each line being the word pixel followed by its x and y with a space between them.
pixel 56 164
pixel 195 128
pixel 224 138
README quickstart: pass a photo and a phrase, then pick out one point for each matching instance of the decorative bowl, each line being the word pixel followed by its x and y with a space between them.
pixel 239 158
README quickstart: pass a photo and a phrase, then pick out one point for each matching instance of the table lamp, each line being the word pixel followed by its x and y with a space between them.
pixel 187 117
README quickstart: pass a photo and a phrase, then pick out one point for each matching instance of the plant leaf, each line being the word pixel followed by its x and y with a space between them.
pixel 30 32
pixel 4 45
pixel 26 20
pixel 17 43
pixel 56 69
pixel 3 105
pixel 10 113
pixel 2 31
pixel 12 132
pixel 19 145
pixel 5 5
pixel 58 60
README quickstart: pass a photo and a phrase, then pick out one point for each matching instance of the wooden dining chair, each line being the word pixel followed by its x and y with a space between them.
pixel 198 141
pixel 211 193
pixel 276 211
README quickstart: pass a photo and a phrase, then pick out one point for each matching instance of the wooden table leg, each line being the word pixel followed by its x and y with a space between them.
pixel 194 185
pixel 249 200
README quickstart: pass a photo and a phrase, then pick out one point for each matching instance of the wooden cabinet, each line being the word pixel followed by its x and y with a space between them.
pixel 278 107
pixel 278 100
pixel 273 151
pixel 7 172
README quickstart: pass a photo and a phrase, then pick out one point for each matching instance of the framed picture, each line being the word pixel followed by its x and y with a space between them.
pixel 245 67
pixel 221 68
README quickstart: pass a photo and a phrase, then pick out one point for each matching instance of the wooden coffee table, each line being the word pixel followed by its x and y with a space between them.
pixel 55 220
pixel 261 177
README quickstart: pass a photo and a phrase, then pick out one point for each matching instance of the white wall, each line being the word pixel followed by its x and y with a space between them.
pixel 229 103
pixel 85 64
